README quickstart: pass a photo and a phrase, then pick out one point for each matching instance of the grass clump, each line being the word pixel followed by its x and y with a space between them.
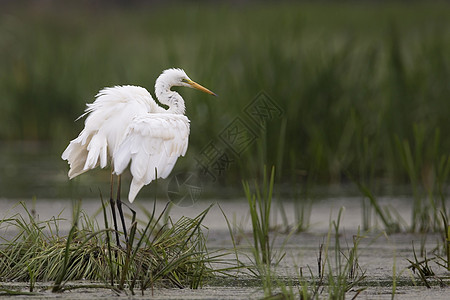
pixel 428 172
pixel 338 268
pixel 260 203
pixel 161 254
pixel 338 271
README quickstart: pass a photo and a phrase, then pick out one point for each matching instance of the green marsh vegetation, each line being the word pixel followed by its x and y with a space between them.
pixel 338 269
pixel 339 273
pixel 352 79
pixel 160 254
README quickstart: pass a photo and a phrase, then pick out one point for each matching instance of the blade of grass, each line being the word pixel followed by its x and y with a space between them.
pixel 72 232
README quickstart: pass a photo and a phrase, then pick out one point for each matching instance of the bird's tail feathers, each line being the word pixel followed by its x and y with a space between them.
pixel 135 187
pixel 147 177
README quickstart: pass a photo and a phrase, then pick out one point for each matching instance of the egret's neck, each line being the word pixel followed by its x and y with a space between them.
pixel 168 97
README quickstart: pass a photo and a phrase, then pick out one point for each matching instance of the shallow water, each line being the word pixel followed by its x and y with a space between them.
pixel 378 253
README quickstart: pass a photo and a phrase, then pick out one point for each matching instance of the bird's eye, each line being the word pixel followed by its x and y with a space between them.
pixel 184 80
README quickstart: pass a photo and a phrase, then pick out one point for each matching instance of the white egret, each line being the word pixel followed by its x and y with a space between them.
pixel 127 127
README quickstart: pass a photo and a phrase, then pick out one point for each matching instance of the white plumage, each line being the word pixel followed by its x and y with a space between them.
pixel 151 141
pixel 124 126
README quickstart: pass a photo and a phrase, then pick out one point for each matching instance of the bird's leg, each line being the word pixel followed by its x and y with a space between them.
pixel 119 207
pixel 113 210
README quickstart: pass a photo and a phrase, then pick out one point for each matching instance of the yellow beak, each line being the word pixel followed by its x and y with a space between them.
pixel 197 86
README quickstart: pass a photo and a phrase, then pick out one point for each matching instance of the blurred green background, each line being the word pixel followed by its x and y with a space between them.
pixel 363 86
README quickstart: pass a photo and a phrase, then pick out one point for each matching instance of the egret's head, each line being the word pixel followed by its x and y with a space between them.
pixel 177 77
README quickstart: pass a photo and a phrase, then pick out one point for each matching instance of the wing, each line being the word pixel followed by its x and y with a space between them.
pixel 152 141
pixel 108 118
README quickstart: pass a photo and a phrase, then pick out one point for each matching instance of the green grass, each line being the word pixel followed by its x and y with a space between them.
pixel 339 270
pixel 338 267
pixel 171 254
pixel 351 78
pixel 260 202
